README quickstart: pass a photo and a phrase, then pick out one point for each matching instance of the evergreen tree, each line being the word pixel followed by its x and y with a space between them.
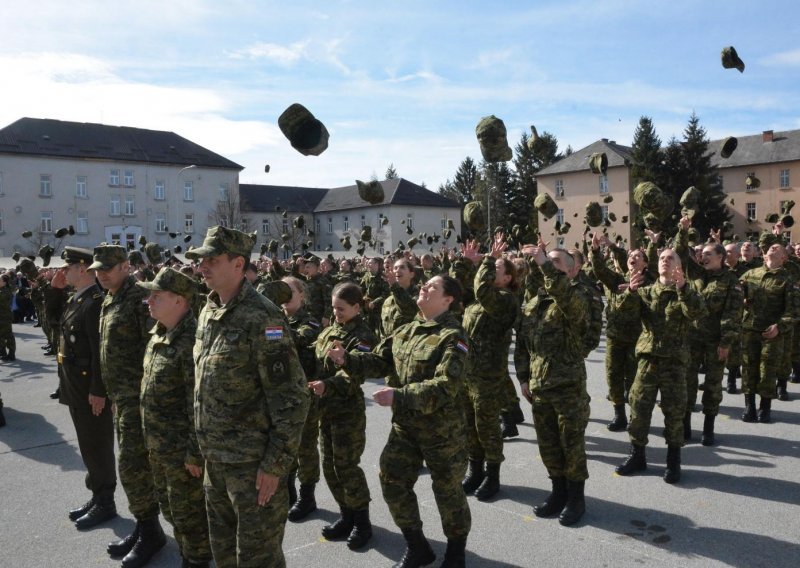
pixel 391 173
pixel 462 188
pixel 496 192
pixel 646 152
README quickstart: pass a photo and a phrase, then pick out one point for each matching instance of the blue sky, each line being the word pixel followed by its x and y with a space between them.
pixel 399 82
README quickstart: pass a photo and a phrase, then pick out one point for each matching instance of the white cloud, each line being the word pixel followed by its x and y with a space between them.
pixel 283 55
pixel 782 59
pixel 488 59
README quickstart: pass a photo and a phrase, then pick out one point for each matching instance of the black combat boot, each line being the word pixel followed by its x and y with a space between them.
pixel 491 483
pixel 517 416
pixel 102 510
pixel 708 430
pixel 687 426
pixel 620 421
pixel 795 378
pixel 341 527
pixel 673 473
pixel 418 550
pixel 291 488
pixel 45 347
pixel 362 530
pixel 576 505
pixel 783 394
pixel 76 514
pixel 151 540
pixel 508 427
pixel 56 393
pixel 305 505
pixel 455 556
pixel 9 356
pixel 636 461
pixel 474 476
pixel 120 548
pixel 749 408
pixel 555 501
pixel 733 373
pixel 764 410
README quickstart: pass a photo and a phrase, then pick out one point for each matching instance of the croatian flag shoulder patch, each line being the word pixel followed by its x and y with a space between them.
pixel 462 346
pixel 273 333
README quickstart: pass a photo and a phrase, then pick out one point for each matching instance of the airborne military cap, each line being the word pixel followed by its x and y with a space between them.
pixel 108 256
pixel 170 280
pixel 491 133
pixel 76 255
pixel 46 252
pixel 371 192
pixel 221 240
pixel 305 132
pixel 28 268
pixel 278 291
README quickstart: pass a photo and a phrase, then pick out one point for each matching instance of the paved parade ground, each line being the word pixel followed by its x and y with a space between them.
pixel 737 504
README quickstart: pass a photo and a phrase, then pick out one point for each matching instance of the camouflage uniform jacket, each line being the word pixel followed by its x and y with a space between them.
pixel 342 395
pixel 398 309
pixel 429 358
pixel 167 396
pixel 305 331
pixel 6 298
pixel 769 298
pixel 125 326
pixel 464 271
pixel 376 289
pixel 250 394
pixel 667 315
pixel 549 349
pixel 623 321
pixel 488 323
pixel 723 297
pixel 318 297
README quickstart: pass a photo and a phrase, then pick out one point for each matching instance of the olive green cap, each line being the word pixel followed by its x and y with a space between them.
pixel 598 163
pixel 46 252
pixel 492 137
pixel 366 233
pixel 473 216
pixel 277 291
pixel 107 256
pixel 170 280
pixel 220 240
pixel 728 147
pixel 28 268
pixel 545 205
pixel 153 251
pixel 731 59
pixel 306 134
pixel 135 258
pixel 371 192
pixel 594 214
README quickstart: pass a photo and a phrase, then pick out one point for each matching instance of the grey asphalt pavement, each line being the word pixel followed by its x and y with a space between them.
pixel 738 503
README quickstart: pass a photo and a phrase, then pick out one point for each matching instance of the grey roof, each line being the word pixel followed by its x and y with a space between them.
pixel 617 154
pixel 396 191
pixel 57 138
pixel 265 198
pixel 785 147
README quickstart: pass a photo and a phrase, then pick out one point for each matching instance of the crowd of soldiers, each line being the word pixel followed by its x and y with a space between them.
pixel 225 379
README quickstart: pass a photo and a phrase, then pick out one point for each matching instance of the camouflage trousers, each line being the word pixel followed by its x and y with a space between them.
pixel 620 368
pixel 134 465
pixel 734 360
pixel 242 534
pixel 7 342
pixel 560 417
pixel 654 375
pixel 483 399
pixel 183 504
pixel 789 351
pixel 715 369
pixel 307 462
pixel 762 361
pixel 342 440
pixel 446 458
pixel 511 395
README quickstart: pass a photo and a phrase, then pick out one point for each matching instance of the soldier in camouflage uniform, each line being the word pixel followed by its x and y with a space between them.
pixel 400 307
pixel 488 323
pixel 343 419
pixel 167 402
pixel 667 309
pixel 250 404
pixel 549 357
pixel 429 355
pixel 8 345
pixel 124 332
pixel 734 361
pixel 318 299
pixel 376 290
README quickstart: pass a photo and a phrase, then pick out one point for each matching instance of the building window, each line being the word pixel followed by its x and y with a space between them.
pixel 317 224
pixel 560 188
pixel 45 186
pixel 410 221
pixel 444 221
pixel 128 178
pixel 46 225
pixel 265 226
pixel 188 191
pixel 113 177
pixel 285 225
pixel 82 222
pixel 158 192
pixel 346 223
pixel 80 186
pixel 224 192
pixel 161 223
pixel 330 225
pixel 130 207
pixel 188 223
pixel 603 183
pixel 784 179
pixel 604 209
pixel 363 221
pixel 223 220
pixel 560 217
pixel 751 211
pixel 244 224
pixel 747 186
pixel 114 208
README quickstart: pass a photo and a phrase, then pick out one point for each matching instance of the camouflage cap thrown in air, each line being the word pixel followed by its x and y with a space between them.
pixel 305 132
pixel 545 205
pixel 107 256
pixel 170 280
pixel 473 216
pixel 598 163
pixel 221 240
pixel 491 133
pixel 371 192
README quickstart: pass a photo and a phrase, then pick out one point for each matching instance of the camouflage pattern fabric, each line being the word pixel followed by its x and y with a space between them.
pixel 7 342
pixel 398 309
pixel 134 464
pixel 376 290
pixel 653 375
pixel 318 297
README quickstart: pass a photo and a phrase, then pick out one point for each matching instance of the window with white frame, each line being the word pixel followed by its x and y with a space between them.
pixel 603 183
pixel 188 223
pixel 46 225
pixel 560 217
pixel 45 185
pixel 751 211
pixel 410 221
pixel 330 225
pixel 285 225
pixel 784 177
pixel 80 187
pixel 128 178
pixel 265 226
pixel 560 188
pixel 130 205
pixel 161 222
pixel 224 192
pixel 82 222
pixel 188 191
pixel 317 224
pixel 444 221
pixel 346 223
pixel 114 206
pixel 158 190
pixel 113 177
pixel 604 209
pixel 245 223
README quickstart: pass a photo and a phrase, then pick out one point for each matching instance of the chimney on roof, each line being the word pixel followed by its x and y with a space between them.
pixel 612 141
pixel 767 136
pixel 604 139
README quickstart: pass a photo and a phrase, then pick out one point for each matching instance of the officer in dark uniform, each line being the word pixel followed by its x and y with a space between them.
pixel 81 385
